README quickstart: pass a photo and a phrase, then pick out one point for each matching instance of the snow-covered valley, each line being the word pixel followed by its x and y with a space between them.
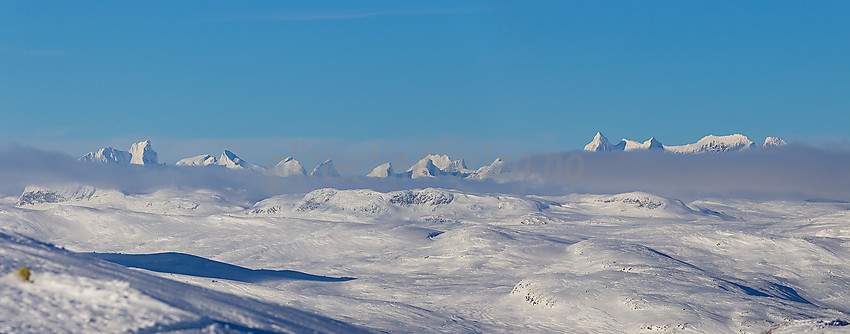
pixel 422 260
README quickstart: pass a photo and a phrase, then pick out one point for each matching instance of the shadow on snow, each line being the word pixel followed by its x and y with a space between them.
pixel 187 264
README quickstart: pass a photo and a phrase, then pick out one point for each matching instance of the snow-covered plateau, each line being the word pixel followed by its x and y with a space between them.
pixel 419 260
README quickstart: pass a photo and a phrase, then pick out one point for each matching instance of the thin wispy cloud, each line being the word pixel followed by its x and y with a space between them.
pixel 355 15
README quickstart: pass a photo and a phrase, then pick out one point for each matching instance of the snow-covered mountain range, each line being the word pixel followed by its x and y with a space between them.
pixel 285 168
pixel 435 165
pixel 710 143
pixel 430 166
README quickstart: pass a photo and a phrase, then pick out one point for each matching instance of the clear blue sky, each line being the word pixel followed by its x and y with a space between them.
pixel 534 75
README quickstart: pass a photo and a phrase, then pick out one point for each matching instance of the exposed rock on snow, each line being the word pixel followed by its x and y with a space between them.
pixel 325 169
pixel 421 197
pixel 710 143
pixel 142 153
pixel 632 204
pixel 774 142
pixel 716 144
pixel 37 194
pixel 288 167
pixel 374 204
pixel 599 144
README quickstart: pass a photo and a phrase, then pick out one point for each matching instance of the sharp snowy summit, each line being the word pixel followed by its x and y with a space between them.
pixel 434 165
pixel 325 169
pixel 228 159
pixel 288 167
pixel 384 170
pixel 599 144
pixel 774 142
pixel 631 145
pixel 437 165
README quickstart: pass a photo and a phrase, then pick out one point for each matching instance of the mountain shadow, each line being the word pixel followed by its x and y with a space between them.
pixel 187 264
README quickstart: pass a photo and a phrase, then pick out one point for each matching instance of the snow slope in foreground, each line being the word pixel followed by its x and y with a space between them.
pixel 74 293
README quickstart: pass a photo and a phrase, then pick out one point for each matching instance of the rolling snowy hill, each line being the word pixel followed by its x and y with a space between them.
pixel 74 293
pixel 426 260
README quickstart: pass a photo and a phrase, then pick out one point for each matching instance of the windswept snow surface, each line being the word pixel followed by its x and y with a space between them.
pixel 426 260
pixel 75 293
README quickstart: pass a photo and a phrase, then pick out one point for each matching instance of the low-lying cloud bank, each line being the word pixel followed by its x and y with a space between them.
pixel 22 166
pixel 790 172
pixel 794 172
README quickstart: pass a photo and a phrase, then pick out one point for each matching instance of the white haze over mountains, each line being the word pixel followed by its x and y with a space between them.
pixel 795 171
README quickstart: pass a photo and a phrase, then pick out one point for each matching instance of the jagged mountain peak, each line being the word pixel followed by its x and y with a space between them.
pixel 716 144
pixel 710 143
pixel 383 170
pixel 631 145
pixel 140 153
pixel 325 169
pixel 774 142
pixel 599 144
pixel 288 167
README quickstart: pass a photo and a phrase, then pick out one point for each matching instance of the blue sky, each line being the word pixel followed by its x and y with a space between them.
pixel 412 76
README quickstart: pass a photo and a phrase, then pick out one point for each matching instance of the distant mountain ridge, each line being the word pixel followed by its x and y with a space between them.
pixel 710 143
pixel 430 166
pixel 436 165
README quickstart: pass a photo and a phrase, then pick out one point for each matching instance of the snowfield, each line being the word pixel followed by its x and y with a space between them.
pixel 420 260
